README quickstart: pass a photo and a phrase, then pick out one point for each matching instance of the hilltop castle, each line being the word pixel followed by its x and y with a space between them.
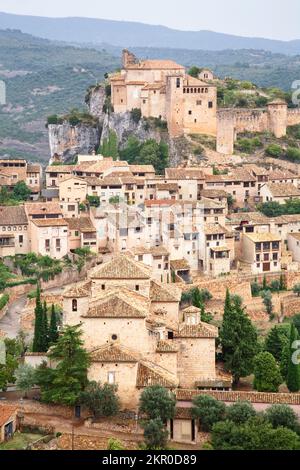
pixel 163 89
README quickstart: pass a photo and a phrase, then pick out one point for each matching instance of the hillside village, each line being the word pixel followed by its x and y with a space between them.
pixel 149 265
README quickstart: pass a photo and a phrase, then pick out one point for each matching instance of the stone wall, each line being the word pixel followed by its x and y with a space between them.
pixel 86 442
pixel 252 397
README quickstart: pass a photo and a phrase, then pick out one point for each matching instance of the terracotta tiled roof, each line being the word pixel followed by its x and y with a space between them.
pixel 122 267
pixel 213 193
pixel 60 168
pixel 142 168
pixel 34 168
pixel 155 250
pixel 202 330
pixel 281 175
pixel 232 397
pixel 183 413
pixel 79 290
pixel 179 265
pixel 82 224
pixel 164 292
pixel 156 65
pixel 166 347
pixel 263 237
pixel 13 215
pixel 113 353
pixel 283 189
pixel 38 208
pixel 6 412
pixel 167 186
pixel 121 303
pixel 50 222
pixel 151 374
pixel 184 173
pixel 191 309
pixel 214 229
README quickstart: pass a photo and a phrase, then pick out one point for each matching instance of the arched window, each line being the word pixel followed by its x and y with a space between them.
pixel 74 305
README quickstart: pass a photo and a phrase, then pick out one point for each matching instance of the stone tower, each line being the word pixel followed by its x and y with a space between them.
pixel 277 111
pixel 175 105
pixel 225 132
pixel 128 58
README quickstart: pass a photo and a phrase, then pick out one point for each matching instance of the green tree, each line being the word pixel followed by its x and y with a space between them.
pixel 155 434
pixel 277 339
pixel 267 377
pixel 296 321
pixel 208 410
pixel 293 372
pixel 65 383
pixel 157 402
pixel 38 338
pixel 53 330
pixel 25 378
pixel 268 303
pixel 102 400
pixel 296 289
pixel 109 146
pixel 45 329
pixel 21 192
pixel 274 150
pixel 7 370
pixel 194 71
pixel 238 339
pixel 255 434
pixel 282 416
pixel 115 444
pixel 240 412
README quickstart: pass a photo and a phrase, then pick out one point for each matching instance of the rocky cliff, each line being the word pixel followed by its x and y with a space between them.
pixel 67 141
pixel 124 126
pixel 95 100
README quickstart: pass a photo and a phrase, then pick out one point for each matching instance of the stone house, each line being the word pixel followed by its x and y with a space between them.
pixel 14 231
pixel 262 252
pixel 49 237
pixel 82 233
pixel 274 192
pixel 137 336
pixel 8 421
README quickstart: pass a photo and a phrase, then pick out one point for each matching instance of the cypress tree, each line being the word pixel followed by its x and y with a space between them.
pixel 293 375
pixel 238 339
pixel 45 332
pixel 53 331
pixel 38 324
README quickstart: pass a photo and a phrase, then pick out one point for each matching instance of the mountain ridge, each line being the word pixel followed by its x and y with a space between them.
pixel 133 34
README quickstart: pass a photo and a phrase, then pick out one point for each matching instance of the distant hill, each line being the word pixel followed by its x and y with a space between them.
pixel 131 34
pixel 42 78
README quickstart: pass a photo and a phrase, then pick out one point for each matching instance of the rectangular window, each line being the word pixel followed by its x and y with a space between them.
pixel 111 378
pixel 178 82
pixel 210 104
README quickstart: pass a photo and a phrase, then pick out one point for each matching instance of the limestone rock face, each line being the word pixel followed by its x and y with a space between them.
pixel 95 100
pixel 67 141
pixel 124 126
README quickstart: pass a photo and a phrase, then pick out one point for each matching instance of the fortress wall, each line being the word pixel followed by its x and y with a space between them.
pixel 293 117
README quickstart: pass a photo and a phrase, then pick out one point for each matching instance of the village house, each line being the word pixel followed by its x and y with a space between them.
pixel 13 171
pixel 274 192
pixel 145 339
pixel 49 237
pixel 14 231
pixel 262 252
pixel 82 233
pixel 8 421
pixel 158 258
pixel 56 173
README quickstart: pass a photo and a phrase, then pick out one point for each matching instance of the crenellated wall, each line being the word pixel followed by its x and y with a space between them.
pixel 275 119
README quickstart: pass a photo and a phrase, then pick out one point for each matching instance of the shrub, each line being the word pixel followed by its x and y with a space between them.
pixel 157 402
pixel 267 377
pixel 4 299
pixel 115 444
pixel 102 400
pixel 136 115
pixel 282 415
pixel 208 410
pixel 155 434
pixel 274 150
pixel 293 154
pixel 240 412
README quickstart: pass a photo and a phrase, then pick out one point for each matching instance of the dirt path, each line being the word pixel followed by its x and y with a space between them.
pixel 10 323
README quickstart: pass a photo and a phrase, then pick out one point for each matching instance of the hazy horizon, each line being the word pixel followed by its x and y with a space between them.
pixel 267 19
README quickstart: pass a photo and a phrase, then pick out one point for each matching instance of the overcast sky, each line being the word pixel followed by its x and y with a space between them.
pixel 266 18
